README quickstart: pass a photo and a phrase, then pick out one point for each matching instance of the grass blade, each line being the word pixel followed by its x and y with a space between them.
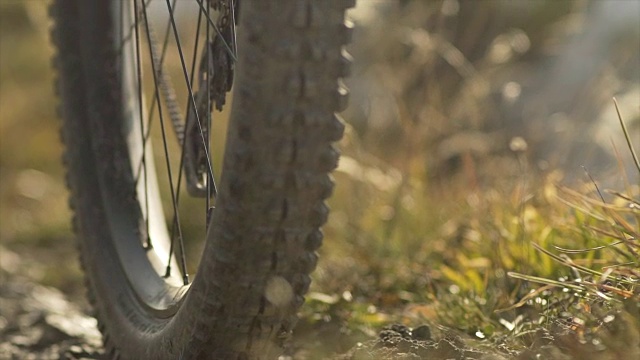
pixel 627 136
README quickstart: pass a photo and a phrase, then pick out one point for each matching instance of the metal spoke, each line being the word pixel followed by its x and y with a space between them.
pixel 182 156
pixel 233 26
pixel 166 150
pixel 141 119
pixel 210 179
pixel 215 27
pixel 193 104
pixel 131 28
pixel 164 97
pixel 165 43
pixel 192 101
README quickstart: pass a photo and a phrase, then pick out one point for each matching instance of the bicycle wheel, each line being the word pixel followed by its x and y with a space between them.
pixel 269 204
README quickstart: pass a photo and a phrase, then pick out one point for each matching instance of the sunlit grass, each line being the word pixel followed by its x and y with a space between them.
pixel 502 265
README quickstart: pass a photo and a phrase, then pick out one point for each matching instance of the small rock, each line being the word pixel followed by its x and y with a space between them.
pixel 400 330
pixel 422 333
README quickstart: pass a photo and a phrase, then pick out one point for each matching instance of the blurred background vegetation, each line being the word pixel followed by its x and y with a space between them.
pixel 34 218
pixel 470 129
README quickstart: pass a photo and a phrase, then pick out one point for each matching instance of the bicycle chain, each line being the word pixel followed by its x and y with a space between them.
pixel 166 88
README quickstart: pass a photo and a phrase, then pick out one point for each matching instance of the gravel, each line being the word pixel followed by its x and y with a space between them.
pixel 39 322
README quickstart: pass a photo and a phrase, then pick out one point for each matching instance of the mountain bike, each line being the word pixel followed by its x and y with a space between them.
pixel 137 149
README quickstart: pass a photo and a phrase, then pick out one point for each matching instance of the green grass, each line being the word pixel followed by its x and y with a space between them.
pixel 500 266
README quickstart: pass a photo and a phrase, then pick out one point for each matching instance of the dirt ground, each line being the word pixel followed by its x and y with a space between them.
pixel 40 322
